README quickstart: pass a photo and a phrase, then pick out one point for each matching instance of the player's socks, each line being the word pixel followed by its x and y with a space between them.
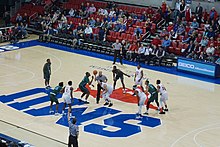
pixel 51 111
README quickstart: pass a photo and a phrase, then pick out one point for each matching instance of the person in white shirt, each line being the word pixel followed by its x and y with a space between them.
pixel 141 98
pixel 210 50
pixel 88 32
pixel 138 77
pixel 72 12
pixel 107 91
pixel 111 13
pixel 102 12
pixel 92 9
pixel 67 97
pixel 141 51
pixel 148 53
pixel 163 96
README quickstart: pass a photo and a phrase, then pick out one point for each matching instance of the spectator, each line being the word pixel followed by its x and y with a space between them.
pixel 202 56
pixel 141 51
pixel 156 41
pixel 143 16
pixel 166 43
pixel 88 32
pixel 63 18
pixel 210 50
pixel 114 18
pixel 194 24
pixel 70 27
pixel 164 33
pixel 188 13
pixel 181 29
pixel 1 36
pixel 211 33
pixel 25 19
pixel 111 13
pixel 213 14
pixel 199 38
pixel 124 49
pixel 199 13
pixel 173 35
pixel 182 9
pixel 148 53
pixel 18 18
pixel 92 9
pixel 197 48
pixel 103 12
pixel 83 7
pixel 102 34
pixel 138 32
pixel 160 55
pixel 204 42
pixel 78 32
pixel 91 22
pixel 132 50
pixel 192 55
pixel 170 27
pixel 72 12
pixel 189 49
pixel 97 23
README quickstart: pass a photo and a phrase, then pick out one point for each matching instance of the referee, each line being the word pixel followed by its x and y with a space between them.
pixel 73 132
pixel 99 78
pixel 117 48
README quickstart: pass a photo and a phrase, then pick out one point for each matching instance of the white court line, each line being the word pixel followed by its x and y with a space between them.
pixel 180 138
pixel 33 74
pixel 7 75
pixel 194 138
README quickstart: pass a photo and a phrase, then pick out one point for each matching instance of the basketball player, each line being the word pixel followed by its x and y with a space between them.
pixel 82 87
pixel 153 96
pixel 163 95
pixel 141 97
pixel 138 77
pixel 53 97
pixel 118 74
pixel 107 91
pixel 99 78
pixel 67 96
pixel 47 73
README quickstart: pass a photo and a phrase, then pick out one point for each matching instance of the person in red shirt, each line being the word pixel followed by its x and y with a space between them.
pixel 188 13
pixel 163 7
pixel 170 27
pixel 156 41
pixel 132 50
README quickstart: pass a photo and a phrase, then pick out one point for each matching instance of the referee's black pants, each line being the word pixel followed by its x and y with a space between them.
pixel 73 142
pixel 99 88
pixel 117 54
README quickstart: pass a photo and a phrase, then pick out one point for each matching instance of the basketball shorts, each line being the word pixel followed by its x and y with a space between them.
pixel 53 99
pixel 83 89
pixel 154 97
pixel 138 82
pixel 66 99
pixel 164 97
pixel 142 100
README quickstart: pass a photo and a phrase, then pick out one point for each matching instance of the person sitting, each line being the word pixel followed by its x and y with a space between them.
pixel 192 55
pixel 72 12
pixel 156 41
pixel 141 51
pixel 181 29
pixel 160 55
pixel 92 9
pixel 173 35
pixel 194 24
pixel 88 32
pixel 138 32
pixel 166 43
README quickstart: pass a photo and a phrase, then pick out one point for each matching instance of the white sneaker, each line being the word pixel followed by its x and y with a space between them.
pixel 124 91
pixel 51 111
pixel 56 114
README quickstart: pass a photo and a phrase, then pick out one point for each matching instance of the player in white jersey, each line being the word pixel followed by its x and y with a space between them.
pixel 107 91
pixel 138 77
pixel 163 95
pixel 141 96
pixel 67 96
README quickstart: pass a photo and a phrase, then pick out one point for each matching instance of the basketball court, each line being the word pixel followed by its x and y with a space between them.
pixel 193 118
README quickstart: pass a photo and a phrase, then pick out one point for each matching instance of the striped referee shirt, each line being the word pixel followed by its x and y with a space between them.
pixel 73 129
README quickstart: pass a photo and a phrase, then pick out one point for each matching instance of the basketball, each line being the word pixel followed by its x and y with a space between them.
pixel 95 72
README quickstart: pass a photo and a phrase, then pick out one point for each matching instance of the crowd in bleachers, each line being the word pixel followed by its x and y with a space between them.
pixel 188 34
